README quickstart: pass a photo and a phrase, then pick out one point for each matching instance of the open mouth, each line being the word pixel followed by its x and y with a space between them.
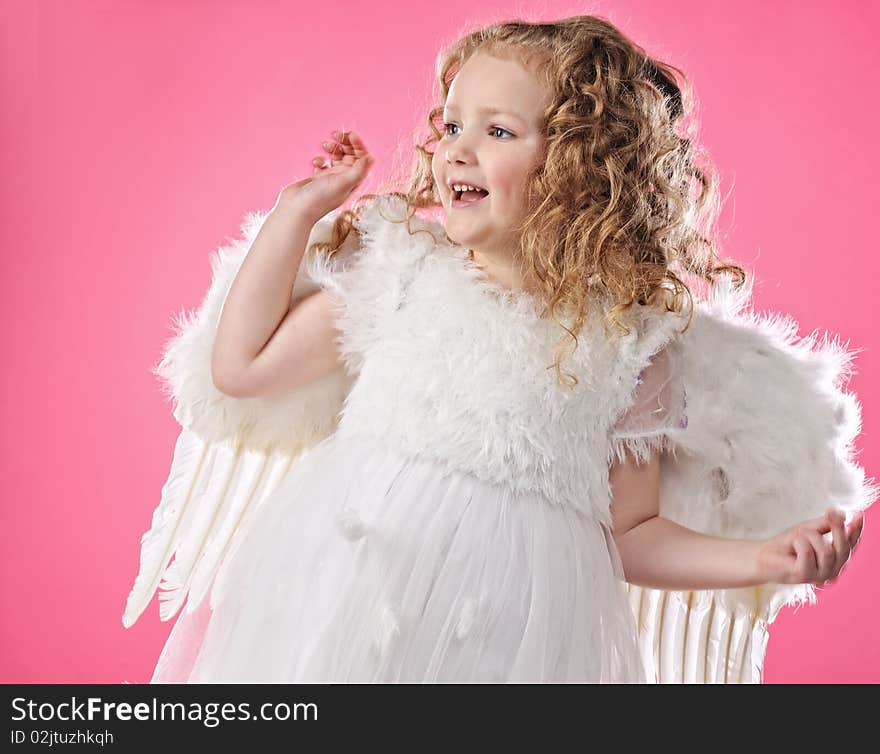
pixel 468 198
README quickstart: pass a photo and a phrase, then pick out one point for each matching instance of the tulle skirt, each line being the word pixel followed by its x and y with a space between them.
pixel 366 564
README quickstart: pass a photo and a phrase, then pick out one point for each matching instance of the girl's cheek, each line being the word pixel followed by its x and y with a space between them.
pixel 436 162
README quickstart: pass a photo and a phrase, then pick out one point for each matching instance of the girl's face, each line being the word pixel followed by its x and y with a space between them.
pixel 492 150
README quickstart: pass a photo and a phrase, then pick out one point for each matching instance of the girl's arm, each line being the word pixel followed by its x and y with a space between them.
pixel 260 337
pixel 658 553
pixel 259 297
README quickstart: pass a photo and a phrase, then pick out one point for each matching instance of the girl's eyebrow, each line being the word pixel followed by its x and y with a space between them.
pixel 492 110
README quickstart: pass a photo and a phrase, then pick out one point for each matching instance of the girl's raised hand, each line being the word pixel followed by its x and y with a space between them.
pixel 334 176
pixel 802 555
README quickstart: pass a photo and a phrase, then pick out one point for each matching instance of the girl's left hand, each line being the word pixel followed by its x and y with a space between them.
pixel 802 555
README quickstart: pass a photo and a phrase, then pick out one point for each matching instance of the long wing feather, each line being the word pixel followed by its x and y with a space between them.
pixel 160 541
pixel 692 637
pixel 210 508
pixel 258 475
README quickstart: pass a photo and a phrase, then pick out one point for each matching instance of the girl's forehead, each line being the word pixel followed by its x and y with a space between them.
pixel 501 108
pixel 506 70
pixel 489 84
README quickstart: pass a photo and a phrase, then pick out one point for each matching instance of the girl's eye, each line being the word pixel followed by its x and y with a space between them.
pixel 447 126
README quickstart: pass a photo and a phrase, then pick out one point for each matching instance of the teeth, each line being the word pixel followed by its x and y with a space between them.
pixel 464 187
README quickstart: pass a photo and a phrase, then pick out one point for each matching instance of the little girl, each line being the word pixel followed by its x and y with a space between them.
pixel 480 408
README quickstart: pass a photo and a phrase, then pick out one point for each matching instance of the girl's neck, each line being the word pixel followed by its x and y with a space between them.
pixel 506 274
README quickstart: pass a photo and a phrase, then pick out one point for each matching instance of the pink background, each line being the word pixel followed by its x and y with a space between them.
pixel 136 135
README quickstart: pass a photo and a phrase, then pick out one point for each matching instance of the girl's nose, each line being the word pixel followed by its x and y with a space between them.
pixel 454 154
pixel 458 152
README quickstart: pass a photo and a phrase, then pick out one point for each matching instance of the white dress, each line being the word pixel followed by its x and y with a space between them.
pixel 456 525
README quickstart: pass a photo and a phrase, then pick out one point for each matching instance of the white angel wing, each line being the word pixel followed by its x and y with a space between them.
pixel 767 443
pixel 691 637
pixel 231 452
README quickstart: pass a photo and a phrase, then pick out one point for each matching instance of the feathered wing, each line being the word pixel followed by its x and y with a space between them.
pixel 760 431
pixel 231 452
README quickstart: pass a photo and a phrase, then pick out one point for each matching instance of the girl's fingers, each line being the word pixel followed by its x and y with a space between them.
pixel 352 139
pixel 341 147
pixel 344 140
pixel 840 543
pixel 824 554
pixel 805 561
pixel 347 150
pixel 334 149
pixel 356 141
pixel 855 533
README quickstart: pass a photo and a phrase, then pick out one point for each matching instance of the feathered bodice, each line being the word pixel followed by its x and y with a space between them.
pixel 457 369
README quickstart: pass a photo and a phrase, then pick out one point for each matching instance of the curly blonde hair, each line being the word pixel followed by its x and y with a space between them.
pixel 618 203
